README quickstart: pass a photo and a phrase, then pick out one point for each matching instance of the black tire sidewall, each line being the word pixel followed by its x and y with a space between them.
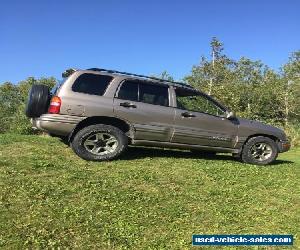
pixel 82 135
pixel 246 153
pixel 38 100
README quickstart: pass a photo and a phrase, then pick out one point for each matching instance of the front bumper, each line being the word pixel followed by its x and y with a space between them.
pixel 56 124
pixel 284 146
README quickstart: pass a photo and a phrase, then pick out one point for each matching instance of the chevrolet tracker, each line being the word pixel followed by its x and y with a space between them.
pixel 100 112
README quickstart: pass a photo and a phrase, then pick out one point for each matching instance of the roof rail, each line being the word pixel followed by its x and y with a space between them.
pixel 137 75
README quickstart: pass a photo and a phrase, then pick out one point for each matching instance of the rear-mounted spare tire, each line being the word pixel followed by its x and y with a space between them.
pixel 38 101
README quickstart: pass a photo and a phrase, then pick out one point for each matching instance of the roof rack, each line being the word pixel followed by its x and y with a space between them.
pixel 137 75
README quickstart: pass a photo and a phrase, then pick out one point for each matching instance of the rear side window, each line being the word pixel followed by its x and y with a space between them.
pixel 153 94
pixel 91 84
pixel 129 91
pixel 143 92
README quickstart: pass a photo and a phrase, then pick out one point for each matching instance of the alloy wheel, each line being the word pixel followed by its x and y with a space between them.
pixel 101 143
pixel 261 151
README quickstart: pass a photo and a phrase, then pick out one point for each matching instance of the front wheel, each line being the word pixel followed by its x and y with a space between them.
pixel 259 150
pixel 99 142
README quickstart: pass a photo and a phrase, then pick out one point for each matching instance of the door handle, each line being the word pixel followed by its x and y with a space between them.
pixel 127 105
pixel 187 114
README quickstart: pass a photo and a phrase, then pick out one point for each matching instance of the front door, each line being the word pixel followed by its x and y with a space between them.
pixel 201 121
pixel 145 105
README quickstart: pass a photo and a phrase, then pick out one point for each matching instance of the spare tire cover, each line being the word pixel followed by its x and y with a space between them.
pixel 38 100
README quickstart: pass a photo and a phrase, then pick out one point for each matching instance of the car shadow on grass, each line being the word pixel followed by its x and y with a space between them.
pixel 133 153
pixel 279 162
pixel 141 152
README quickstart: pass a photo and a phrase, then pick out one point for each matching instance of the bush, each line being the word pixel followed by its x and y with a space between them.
pixel 293 132
pixel 13 100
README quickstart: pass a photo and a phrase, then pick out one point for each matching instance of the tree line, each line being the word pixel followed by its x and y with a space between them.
pixel 250 88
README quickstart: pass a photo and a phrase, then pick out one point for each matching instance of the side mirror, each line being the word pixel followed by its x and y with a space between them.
pixel 230 115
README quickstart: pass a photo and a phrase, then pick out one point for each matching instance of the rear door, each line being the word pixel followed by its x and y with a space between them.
pixel 145 105
pixel 201 121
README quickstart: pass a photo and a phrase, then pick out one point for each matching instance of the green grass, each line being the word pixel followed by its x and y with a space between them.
pixel 148 199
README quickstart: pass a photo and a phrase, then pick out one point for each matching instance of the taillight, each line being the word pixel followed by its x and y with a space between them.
pixel 55 104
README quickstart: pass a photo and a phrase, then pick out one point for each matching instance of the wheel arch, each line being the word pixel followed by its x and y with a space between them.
pixel 273 137
pixel 107 120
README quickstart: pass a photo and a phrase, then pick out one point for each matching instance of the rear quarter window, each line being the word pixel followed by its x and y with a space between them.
pixel 57 86
pixel 92 84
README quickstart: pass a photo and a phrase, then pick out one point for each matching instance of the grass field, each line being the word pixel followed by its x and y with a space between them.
pixel 148 199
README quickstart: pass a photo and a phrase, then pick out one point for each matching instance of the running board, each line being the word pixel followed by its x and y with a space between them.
pixel 183 146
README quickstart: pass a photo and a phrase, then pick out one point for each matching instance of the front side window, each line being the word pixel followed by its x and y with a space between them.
pixel 143 92
pixel 192 101
pixel 92 84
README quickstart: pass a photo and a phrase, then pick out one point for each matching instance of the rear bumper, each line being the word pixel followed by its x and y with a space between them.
pixel 284 146
pixel 56 124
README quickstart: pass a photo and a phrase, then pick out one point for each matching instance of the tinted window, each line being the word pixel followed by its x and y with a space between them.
pixel 153 94
pixel 91 84
pixel 129 91
pixel 198 103
pixel 143 92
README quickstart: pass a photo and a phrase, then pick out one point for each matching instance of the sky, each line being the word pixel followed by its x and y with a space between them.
pixel 43 38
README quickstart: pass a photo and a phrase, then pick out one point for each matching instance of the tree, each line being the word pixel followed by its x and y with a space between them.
pixel 291 82
pixel 9 102
pixel 165 76
pixel 216 53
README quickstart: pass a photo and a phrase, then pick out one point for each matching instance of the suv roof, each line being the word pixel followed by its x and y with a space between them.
pixel 133 76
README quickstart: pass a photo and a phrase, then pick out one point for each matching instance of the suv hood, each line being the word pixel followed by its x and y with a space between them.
pixel 250 127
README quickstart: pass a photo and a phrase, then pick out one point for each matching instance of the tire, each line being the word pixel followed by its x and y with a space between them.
pixel 38 101
pixel 259 150
pixel 99 143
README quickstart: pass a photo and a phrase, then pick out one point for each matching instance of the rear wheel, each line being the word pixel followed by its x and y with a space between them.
pixel 99 142
pixel 260 151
